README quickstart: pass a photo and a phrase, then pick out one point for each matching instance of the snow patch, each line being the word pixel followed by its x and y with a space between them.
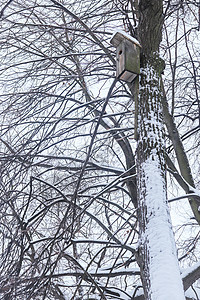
pixel 120 35
pixel 158 237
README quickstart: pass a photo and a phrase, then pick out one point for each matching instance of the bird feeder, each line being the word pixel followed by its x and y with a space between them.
pixel 128 56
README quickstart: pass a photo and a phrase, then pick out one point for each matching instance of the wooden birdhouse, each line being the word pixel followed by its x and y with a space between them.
pixel 128 56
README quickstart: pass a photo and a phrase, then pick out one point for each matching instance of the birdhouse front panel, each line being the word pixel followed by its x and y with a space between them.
pixel 128 60
pixel 120 59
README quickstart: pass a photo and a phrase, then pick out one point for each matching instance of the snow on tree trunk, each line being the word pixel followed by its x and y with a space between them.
pixel 157 252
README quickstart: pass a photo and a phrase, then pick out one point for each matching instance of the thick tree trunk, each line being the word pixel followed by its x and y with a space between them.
pixel 157 252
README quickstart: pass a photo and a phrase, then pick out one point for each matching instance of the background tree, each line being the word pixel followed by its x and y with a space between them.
pixel 69 227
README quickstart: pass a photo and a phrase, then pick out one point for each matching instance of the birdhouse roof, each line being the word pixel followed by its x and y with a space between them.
pixel 120 35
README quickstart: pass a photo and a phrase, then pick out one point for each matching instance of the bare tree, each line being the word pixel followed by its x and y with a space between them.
pixel 76 216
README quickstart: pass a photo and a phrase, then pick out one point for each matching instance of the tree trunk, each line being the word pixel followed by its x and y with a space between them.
pixel 157 252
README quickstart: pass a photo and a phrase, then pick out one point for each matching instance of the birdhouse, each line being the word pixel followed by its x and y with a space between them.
pixel 128 56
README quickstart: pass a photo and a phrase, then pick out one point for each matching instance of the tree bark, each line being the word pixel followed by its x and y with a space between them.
pixel 156 256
